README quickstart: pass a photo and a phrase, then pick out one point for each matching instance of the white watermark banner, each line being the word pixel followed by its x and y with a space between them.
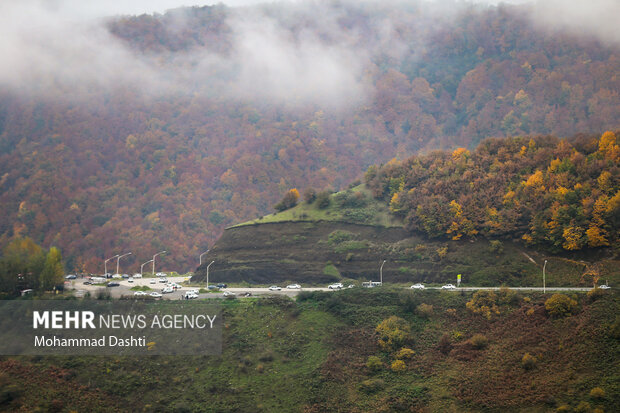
pixel 106 327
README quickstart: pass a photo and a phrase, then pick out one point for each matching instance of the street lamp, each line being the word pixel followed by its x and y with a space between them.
pixel 544 286
pixel 119 258
pixel 202 255
pixel 381 272
pixel 106 264
pixel 142 266
pixel 208 273
pixel 160 252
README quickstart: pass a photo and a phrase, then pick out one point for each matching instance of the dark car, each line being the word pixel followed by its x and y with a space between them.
pixel 88 282
pixel 71 277
pixel 213 287
pixel 222 286
pixel 112 284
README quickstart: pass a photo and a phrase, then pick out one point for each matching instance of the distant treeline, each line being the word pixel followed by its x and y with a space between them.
pixel 556 193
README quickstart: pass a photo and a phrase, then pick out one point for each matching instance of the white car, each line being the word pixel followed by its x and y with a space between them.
pixel 130 279
pixel 294 287
pixel 137 275
pixel 167 290
pixel 194 291
pixel 163 280
pixel 161 274
pixel 228 294
pixel 604 287
pixel 155 294
pixel 448 287
pixel 153 281
pixel 335 286
pixel 190 295
pixel 417 286
pixel 139 293
pixel 275 288
pixel 117 276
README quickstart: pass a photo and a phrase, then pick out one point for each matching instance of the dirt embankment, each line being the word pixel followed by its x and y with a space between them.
pixel 303 252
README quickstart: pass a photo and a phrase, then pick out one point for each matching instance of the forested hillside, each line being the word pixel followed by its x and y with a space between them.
pixel 222 110
pixel 558 194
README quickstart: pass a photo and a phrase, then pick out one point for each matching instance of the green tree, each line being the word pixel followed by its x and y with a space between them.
pixel 21 264
pixel 52 271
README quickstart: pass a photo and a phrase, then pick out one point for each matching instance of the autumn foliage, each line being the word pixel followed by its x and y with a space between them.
pixel 561 194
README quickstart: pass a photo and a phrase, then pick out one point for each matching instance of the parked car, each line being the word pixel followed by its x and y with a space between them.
pixel 161 274
pixel 163 280
pixel 140 293
pixel 153 281
pixel 167 290
pixel 130 279
pixel 246 294
pixel 228 294
pixel 88 282
pixel 190 295
pixel 275 288
pixel 112 284
pixel 117 276
pixel 335 286
pixel 294 287
pixel 70 277
pixel 417 286
pixel 213 287
pixel 137 275
pixel 604 287
pixel 222 285
pixel 125 276
pixel 448 287
pixel 155 294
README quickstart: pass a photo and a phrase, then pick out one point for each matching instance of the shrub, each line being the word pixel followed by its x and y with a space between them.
pixel 479 341
pixel 393 333
pixel 405 353
pixel 583 407
pixel 445 345
pixel 398 366
pixel 322 200
pixel 442 252
pixel 528 361
pixel 560 305
pixel 563 408
pixel 374 363
pixel 288 201
pixel 371 385
pixel 309 195
pixel 508 296
pixel 483 302
pixel 424 310
pixel 597 393
pixel 496 246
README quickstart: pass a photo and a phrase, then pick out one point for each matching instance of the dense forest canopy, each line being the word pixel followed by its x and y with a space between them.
pixel 549 192
pixel 170 127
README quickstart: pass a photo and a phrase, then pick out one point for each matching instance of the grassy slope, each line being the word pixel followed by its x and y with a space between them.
pixel 378 213
pixel 282 356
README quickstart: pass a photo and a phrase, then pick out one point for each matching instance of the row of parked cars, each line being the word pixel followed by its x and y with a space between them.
pixel 420 286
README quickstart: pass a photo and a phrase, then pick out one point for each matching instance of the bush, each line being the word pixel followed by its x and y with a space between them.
pixel 445 345
pixel 322 200
pixel 483 302
pixel 371 385
pixel 398 366
pixel 393 333
pixel 405 353
pixel 563 408
pixel 424 310
pixel 583 407
pixel 288 201
pixel 374 363
pixel 528 362
pixel 508 296
pixel 597 393
pixel 309 195
pixel 560 305
pixel 496 246
pixel 479 341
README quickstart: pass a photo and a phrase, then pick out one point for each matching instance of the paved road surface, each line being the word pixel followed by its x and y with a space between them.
pixel 125 289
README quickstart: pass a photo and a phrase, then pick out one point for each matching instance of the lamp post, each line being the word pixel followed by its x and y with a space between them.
pixel 119 258
pixel 381 272
pixel 142 266
pixel 106 264
pixel 202 255
pixel 544 286
pixel 160 252
pixel 208 273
